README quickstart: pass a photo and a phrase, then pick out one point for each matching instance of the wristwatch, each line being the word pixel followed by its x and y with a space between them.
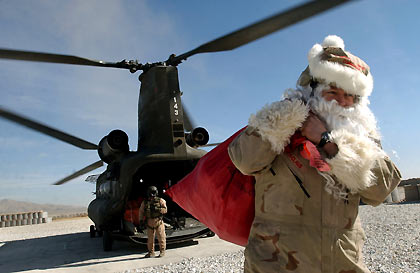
pixel 325 138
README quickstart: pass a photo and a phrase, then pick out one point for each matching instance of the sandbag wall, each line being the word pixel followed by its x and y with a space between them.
pixel 24 218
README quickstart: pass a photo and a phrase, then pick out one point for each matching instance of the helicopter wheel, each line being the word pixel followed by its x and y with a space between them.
pixel 210 234
pixel 107 240
pixel 92 231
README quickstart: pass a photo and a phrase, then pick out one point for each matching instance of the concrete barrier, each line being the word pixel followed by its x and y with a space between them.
pixel 31 218
pixel 388 199
pixel 412 192
pixel 84 214
pixel 25 218
pixel 394 196
pixel 401 193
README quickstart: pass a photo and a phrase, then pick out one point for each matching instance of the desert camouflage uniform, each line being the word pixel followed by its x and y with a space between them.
pixel 293 232
pixel 155 226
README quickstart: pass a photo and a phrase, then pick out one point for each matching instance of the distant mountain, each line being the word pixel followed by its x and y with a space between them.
pixel 12 206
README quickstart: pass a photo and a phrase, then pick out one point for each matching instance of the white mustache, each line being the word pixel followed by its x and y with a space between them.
pixel 357 119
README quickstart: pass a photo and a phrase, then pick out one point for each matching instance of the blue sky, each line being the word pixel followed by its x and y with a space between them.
pixel 220 90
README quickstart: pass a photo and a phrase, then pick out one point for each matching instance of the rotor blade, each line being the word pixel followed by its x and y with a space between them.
pixel 83 171
pixel 56 58
pixel 47 130
pixel 262 28
pixel 188 123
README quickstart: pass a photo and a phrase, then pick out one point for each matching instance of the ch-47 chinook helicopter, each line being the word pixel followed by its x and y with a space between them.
pixel 167 141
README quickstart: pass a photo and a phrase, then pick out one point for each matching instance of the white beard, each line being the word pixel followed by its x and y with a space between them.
pixel 357 120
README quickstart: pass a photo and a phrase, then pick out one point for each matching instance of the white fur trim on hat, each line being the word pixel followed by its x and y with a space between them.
pixel 334 41
pixel 351 80
pixel 278 121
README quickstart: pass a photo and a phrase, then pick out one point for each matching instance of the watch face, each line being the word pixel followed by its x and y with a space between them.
pixel 325 138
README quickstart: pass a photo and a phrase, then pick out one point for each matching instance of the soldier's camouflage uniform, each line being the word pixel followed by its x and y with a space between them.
pixel 155 226
pixel 293 232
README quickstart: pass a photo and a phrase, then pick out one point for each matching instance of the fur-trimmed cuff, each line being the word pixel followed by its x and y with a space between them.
pixel 278 121
pixel 356 157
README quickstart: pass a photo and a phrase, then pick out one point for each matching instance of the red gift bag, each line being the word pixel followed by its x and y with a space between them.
pixel 131 213
pixel 218 195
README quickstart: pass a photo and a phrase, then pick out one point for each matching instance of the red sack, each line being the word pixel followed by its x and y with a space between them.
pixel 218 195
pixel 131 213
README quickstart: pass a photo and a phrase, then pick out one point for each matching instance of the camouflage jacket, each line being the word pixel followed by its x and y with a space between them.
pixel 152 222
pixel 298 226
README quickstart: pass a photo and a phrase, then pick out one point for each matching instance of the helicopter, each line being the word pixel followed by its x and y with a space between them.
pixel 168 142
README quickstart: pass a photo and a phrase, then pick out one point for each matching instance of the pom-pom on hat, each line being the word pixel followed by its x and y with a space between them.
pixel 329 63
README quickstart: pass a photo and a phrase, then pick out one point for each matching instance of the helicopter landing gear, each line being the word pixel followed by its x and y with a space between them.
pixel 93 231
pixel 107 240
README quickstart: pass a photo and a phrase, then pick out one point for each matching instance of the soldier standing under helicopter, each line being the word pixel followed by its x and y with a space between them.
pixel 153 208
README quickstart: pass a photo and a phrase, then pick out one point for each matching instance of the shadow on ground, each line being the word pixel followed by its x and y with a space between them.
pixel 67 251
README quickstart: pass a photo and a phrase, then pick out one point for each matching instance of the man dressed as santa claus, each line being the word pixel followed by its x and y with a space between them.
pixel 314 156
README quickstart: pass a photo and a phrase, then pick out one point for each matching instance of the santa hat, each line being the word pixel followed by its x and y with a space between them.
pixel 330 64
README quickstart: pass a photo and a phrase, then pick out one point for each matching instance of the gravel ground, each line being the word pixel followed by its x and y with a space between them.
pixel 393 238
pixel 393 242
pixel 392 246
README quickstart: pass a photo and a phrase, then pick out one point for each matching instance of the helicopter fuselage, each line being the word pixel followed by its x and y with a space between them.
pixel 162 159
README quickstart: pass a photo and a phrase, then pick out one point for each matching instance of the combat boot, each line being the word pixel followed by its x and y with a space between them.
pixel 161 254
pixel 150 255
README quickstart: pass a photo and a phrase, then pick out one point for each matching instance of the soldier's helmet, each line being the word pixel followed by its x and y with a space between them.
pixel 152 191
